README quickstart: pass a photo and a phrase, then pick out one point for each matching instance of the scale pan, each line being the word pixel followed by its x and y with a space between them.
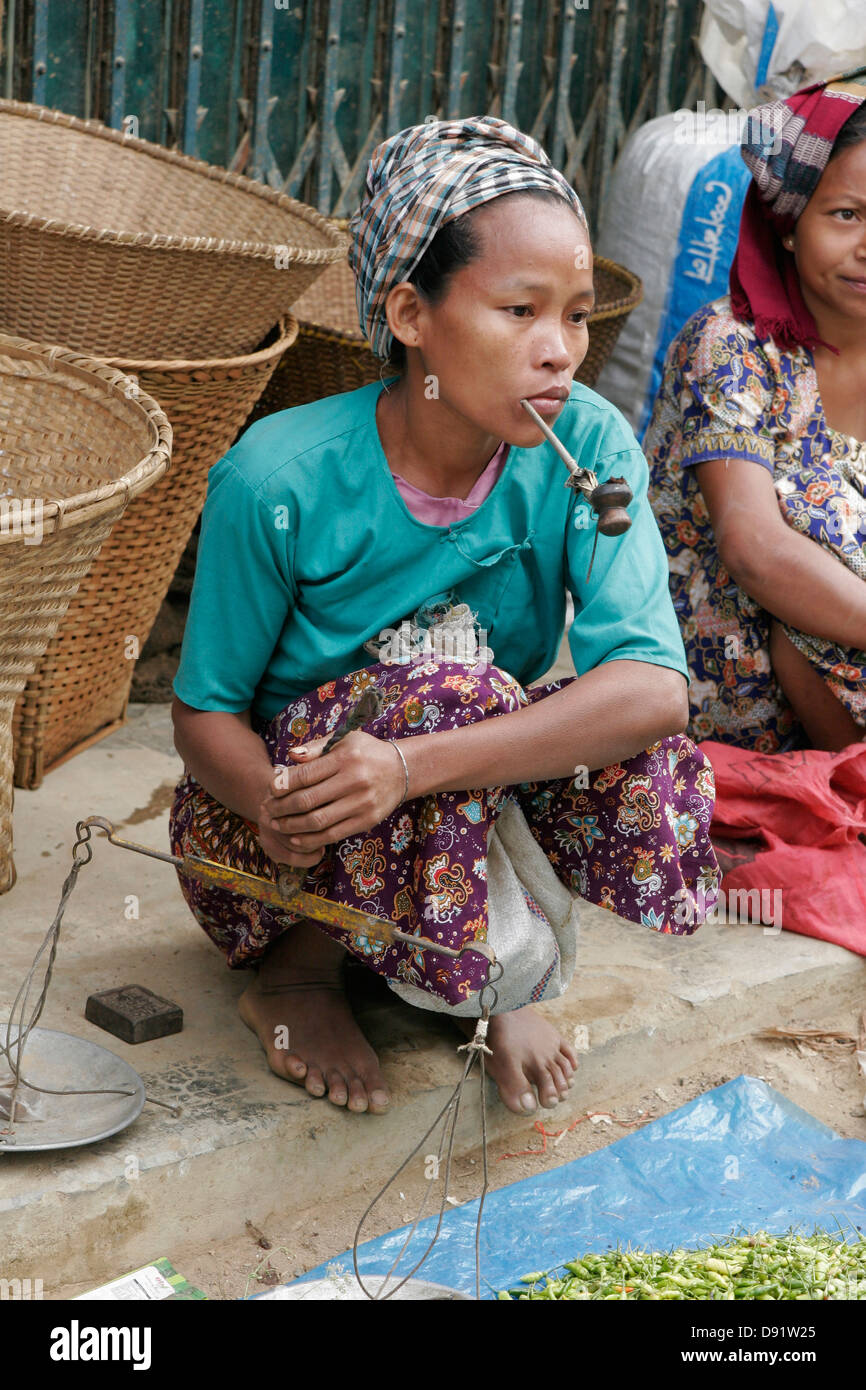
pixel 67 1063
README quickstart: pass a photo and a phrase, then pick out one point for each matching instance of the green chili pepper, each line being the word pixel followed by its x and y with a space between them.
pixel 759 1266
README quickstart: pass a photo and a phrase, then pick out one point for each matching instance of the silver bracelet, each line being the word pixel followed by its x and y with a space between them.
pixel 399 751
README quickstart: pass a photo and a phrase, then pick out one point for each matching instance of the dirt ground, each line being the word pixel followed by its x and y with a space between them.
pixel 828 1084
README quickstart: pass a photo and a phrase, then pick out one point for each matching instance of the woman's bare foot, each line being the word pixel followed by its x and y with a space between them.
pixel 297 1008
pixel 527 1052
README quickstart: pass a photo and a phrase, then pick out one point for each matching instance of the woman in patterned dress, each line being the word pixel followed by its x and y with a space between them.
pixel 757 445
pixel 329 529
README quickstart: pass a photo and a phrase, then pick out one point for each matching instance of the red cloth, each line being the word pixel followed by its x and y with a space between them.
pixel 799 820
pixel 765 286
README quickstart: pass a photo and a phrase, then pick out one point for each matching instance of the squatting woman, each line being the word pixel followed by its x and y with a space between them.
pixel 411 503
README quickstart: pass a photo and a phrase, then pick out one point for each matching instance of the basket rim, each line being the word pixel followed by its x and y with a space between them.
pixel 168 241
pixel 289 328
pixel 627 301
pixel 60 514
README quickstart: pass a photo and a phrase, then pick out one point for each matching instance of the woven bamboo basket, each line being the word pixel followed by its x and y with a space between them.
pixel 332 354
pixel 113 245
pixel 617 292
pixel 76 448
pixel 80 689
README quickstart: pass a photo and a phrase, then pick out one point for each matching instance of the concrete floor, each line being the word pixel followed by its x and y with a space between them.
pixel 247 1145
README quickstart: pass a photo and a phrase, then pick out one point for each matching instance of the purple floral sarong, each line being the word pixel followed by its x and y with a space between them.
pixel 634 840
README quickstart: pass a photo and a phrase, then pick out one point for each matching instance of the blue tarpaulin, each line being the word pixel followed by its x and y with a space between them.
pixel 740 1157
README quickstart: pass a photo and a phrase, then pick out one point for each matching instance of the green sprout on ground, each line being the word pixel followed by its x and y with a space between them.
pixel 760 1266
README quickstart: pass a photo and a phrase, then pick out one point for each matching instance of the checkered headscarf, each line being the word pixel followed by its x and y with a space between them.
pixel 420 179
pixel 788 143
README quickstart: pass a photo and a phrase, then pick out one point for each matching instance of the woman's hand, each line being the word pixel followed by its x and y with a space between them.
pixel 321 799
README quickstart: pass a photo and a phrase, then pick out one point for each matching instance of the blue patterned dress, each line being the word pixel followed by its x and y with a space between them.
pixel 727 395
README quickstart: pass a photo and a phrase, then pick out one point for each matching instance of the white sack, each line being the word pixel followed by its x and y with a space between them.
pixel 815 39
pixel 672 215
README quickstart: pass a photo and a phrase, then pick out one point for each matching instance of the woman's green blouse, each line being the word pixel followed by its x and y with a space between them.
pixel 307 551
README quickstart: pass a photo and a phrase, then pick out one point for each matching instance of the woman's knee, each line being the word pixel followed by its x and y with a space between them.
pixel 477 691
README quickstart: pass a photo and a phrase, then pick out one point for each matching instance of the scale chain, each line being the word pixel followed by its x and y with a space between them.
pixel 51 940
pixel 475 1049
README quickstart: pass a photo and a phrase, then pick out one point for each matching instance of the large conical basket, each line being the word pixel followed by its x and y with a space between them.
pixel 78 444
pixel 80 689
pixel 332 354
pixel 114 245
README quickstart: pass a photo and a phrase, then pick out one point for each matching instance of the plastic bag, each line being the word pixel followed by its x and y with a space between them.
pixel 806 813
pixel 795 42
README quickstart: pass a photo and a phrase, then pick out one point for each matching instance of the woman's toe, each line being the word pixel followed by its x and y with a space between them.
pixel 380 1101
pixel 358 1100
pixel 338 1091
pixel 315 1082
pixel 375 1091
pixel 562 1082
pixel 295 1066
pixel 516 1092
pixel 567 1064
pixel 548 1088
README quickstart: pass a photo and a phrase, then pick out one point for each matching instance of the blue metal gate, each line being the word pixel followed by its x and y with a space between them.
pixel 298 92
